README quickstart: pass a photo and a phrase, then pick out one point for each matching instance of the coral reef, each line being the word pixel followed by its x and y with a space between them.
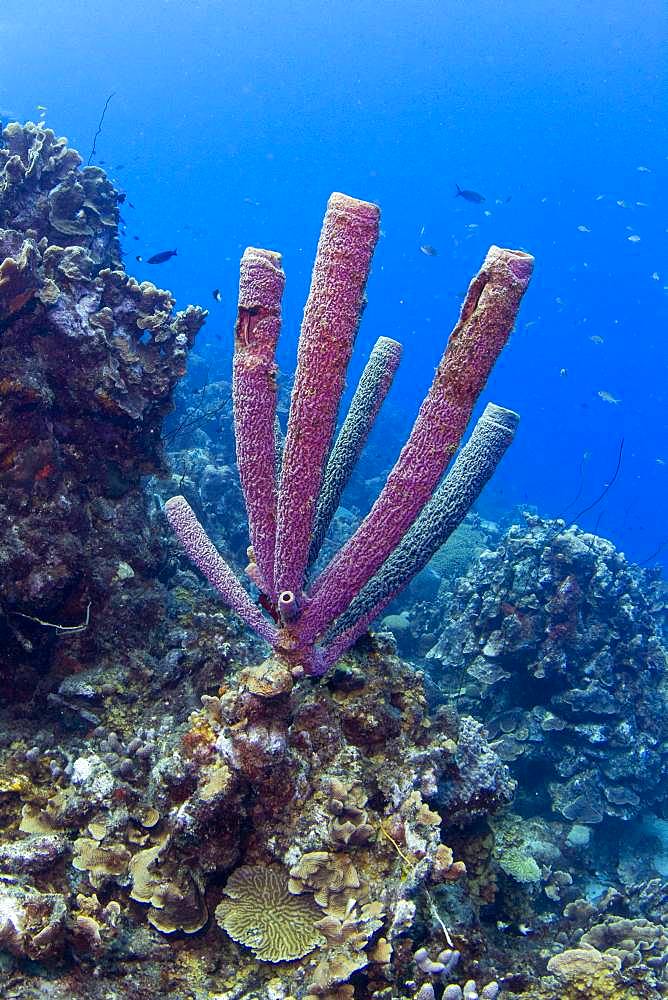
pixel 44 195
pixel 180 816
pixel 312 799
pixel 89 358
pixel 553 636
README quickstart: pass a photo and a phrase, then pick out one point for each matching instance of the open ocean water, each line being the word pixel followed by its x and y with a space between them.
pixel 231 123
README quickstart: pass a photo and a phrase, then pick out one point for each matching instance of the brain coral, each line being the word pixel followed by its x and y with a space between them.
pixel 262 914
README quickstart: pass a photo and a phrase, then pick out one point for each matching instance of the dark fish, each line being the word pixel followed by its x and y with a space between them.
pixel 216 294
pixel 160 258
pixel 429 250
pixel 473 196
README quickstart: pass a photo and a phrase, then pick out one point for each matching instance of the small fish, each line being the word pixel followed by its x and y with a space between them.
pixel 596 339
pixel 633 239
pixel 473 225
pixel 660 461
pixel 655 276
pixel 473 196
pixel 160 258
pixel 216 294
pixel 607 397
pixel 429 250
pixel 563 372
pixel 644 170
pixel 584 229
pixel 139 259
pixel 599 197
pixel 622 204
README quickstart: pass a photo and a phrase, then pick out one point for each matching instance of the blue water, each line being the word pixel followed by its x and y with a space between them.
pixel 231 122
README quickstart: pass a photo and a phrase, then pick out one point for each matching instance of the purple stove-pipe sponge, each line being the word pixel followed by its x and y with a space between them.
pixel 205 556
pixel 473 468
pixel 331 318
pixel 362 576
pixel 258 325
pixel 487 317
pixel 372 388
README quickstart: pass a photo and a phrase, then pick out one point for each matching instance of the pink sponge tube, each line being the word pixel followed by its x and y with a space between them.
pixel 486 320
pixel 258 325
pixel 205 556
pixel 331 318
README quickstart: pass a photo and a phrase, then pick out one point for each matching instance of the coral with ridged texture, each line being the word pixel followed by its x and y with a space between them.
pixel 263 915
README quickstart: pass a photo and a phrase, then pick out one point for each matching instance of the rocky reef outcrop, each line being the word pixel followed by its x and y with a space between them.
pixel 554 638
pixel 89 358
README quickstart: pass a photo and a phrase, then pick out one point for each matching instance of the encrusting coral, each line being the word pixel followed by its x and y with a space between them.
pixel 264 915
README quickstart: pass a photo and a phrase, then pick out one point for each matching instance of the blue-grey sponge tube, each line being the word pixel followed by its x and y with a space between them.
pixel 473 468
pixel 373 386
pixel 279 443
